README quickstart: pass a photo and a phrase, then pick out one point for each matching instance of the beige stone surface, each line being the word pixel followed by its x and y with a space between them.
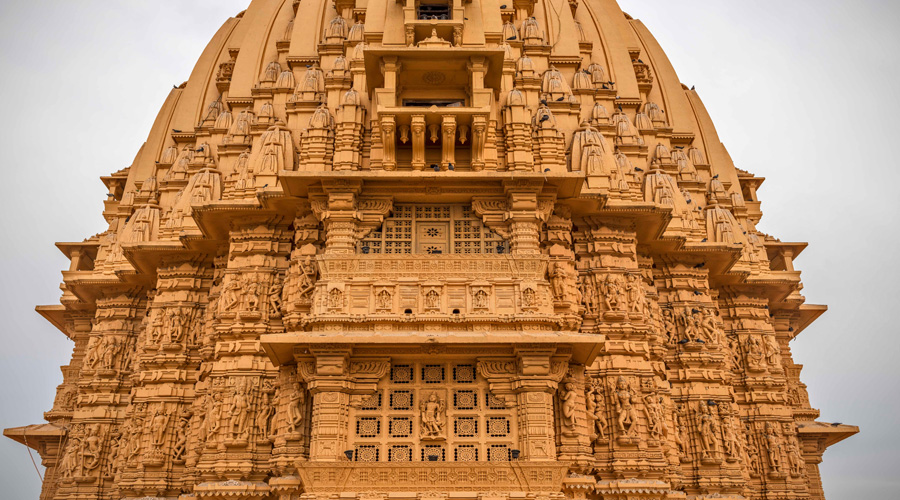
pixel 432 250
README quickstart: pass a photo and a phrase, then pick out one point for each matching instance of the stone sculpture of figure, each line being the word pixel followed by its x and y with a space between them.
pixel 569 398
pixel 383 300
pixel 264 416
pixel 755 356
pixel 709 441
pixel 753 455
pixel 656 420
pixel 90 448
pixel 307 277
pixel 158 425
pixel 680 432
pixel 529 297
pixel 273 297
pixel 66 465
pixel 635 293
pixel 708 326
pixel 626 416
pixel 209 428
pixel 239 411
pixel 335 298
pixel 772 351
pixel 612 293
pixel 795 461
pixel 773 447
pixel 180 445
pixel 250 292
pixel 559 276
pixel 431 413
pixel 729 439
pixel 295 410
pixel 588 295
pixel 669 326
pixel 231 295
pixel 599 415
pixel 480 300
pixel 115 443
pixel 432 299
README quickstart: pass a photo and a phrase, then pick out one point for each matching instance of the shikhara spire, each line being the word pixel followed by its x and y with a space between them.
pixel 432 249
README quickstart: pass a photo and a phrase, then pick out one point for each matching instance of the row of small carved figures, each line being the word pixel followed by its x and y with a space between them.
pixel 715 424
pixel 220 415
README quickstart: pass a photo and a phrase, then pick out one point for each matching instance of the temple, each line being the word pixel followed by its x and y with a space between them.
pixel 432 250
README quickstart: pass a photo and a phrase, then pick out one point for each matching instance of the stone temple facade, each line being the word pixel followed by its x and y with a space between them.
pixel 432 249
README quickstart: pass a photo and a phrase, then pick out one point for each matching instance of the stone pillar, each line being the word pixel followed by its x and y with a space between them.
pixel 627 398
pixel 389 142
pixel 238 381
pixel 86 467
pixel 168 361
pixel 418 142
pixel 448 141
pixel 326 374
pixel 707 423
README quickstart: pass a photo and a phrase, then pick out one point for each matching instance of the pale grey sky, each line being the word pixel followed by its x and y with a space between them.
pixel 802 92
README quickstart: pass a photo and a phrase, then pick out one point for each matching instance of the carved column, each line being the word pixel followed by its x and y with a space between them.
pixel 708 428
pixel 448 141
pixel 86 467
pixel 528 210
pixel 168 360
pixel 347 217
pixel 240 376
pixel 479 133
pixel 389 142
pixel 626 392
pixel 763 392
pixel 418 142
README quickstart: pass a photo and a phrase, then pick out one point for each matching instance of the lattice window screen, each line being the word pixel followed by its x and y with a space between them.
pixel 399 233
pixel 476 425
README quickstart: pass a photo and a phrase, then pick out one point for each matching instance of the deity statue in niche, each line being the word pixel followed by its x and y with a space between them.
pixel 773 447
pixel 653 410
pixel 480 299
pixel 180 444
pixel 383 300
pixel 264 416
pixel 681 438
pixel 295 409
pixel 595 406
pixel 709 440
pixel 755 355
pixel 626 416
pixel 431 412
pixel 569 398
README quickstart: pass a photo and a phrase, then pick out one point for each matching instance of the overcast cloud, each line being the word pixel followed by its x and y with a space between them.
pixel 803 92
